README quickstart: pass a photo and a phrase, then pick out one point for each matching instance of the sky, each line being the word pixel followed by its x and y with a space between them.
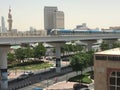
pixel 96 13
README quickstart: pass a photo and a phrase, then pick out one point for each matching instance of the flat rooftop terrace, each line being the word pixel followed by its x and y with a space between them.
pixel 115 51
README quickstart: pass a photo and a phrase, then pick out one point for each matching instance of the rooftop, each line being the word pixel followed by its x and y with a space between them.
pixel 115 51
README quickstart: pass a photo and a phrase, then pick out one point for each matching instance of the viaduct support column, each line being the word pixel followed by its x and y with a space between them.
pixel 58 59
pixel 57 46
pixel 89 44
pixel 3 67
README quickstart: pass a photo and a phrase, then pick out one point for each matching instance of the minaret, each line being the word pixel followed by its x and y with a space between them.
pixel 10 20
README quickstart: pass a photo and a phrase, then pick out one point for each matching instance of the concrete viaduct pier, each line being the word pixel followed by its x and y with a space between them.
pixel 58 46
pixel 3 67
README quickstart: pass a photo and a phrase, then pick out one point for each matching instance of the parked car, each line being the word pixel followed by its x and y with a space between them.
pixel 65 59
pixel 84 89
pixel 52 68
pixel 80 87
pixel 29 73
pixel 22 76
pixel 49 58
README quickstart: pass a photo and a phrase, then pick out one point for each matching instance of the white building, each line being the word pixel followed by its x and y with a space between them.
pixel 3 29
pixel 82 27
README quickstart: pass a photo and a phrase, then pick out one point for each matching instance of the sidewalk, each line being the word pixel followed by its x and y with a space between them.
pixel 61 86
pixel 66 86
pixel 14 74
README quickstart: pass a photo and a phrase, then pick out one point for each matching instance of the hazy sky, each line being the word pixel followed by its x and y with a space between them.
pixel 96 13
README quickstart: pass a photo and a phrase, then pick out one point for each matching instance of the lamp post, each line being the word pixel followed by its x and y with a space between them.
pixel 66 78
pixel 47 83
pixel 15 70
pixel 24 69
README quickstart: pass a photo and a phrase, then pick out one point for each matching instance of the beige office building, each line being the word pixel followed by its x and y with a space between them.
pixel 53 19
pixel 107 70
pixel 58 20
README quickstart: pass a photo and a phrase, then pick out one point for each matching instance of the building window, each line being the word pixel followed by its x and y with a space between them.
pixel 114 58
pixel 101 57
pixel 111 58
pixel 114 81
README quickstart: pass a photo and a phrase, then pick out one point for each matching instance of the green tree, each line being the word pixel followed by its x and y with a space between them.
pixel 104 46
pixel 39 51
pixel 90 58
pixel 20 54
pixel 115 45
pixel 77 63
pixel 65 48
pixel 79 48
pixel 70 47
pixel 11 58
pixel 28 52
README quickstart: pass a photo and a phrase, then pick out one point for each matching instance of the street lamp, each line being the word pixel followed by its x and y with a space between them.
pixel 47 83
pixel 24 69
pixel 66 78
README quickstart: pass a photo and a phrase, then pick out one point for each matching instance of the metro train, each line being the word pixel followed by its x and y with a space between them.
pixel 76 31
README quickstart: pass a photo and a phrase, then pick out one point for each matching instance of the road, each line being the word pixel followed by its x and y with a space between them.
pixel 16 84
pixel 51 81
pixel 16 73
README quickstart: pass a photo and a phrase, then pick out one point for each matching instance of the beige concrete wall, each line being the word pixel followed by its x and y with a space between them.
pixel 100 72
pixel 100 77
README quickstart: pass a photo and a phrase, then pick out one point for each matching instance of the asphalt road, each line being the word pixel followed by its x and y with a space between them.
pixel 51 81
pixel 48 74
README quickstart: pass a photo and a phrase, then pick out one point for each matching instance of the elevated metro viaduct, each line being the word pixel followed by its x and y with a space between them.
pixel 56 40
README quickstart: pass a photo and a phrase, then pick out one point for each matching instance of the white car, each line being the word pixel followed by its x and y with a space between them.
pixel 52 68
pixel 29 73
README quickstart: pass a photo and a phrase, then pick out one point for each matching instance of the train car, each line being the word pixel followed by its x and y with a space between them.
pixel 116 31
pixel 86 31
pixel 77 31
pixel 94 30
pixel 111 31
pixel 108 31
pixel 60 31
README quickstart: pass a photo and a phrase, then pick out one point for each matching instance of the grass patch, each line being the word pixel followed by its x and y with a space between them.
pixel 87 80
pixel 81 78
pixel 34 65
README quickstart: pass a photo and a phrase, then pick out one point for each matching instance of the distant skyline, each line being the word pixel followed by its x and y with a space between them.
pixel 96 13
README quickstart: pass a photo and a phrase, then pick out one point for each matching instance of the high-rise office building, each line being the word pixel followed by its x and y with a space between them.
pixel 58 20
pixel 3 29
pixel 53 19
pixel 48 17
pixel 107 70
